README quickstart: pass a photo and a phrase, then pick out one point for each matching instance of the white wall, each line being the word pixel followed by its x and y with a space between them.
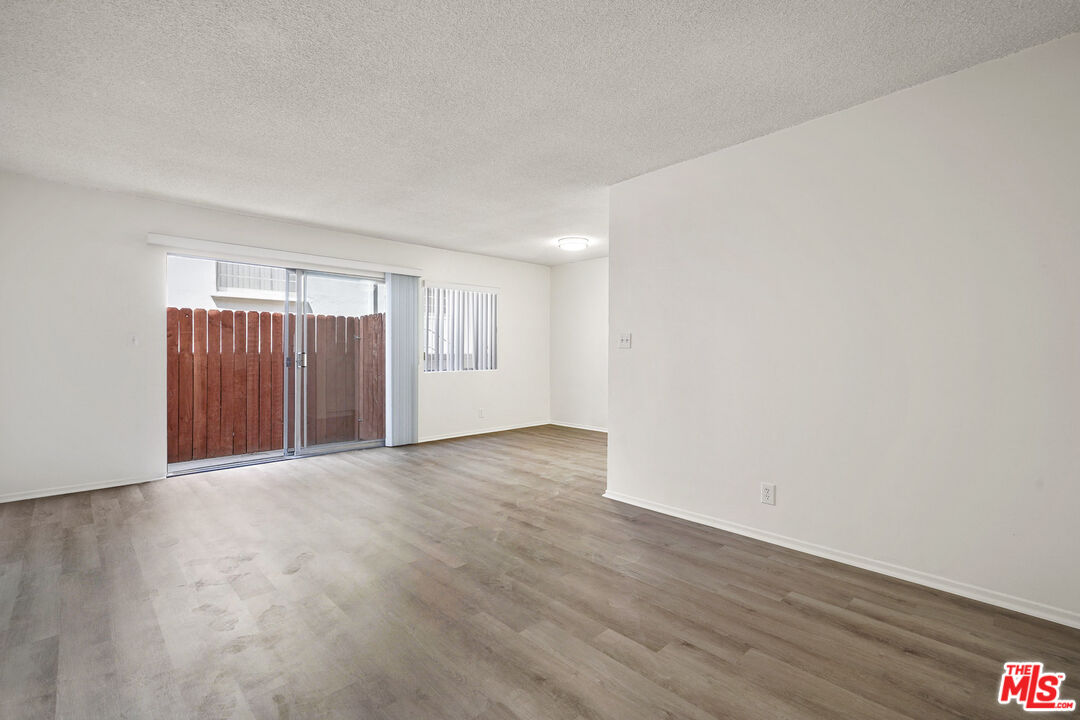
pixel 579 341
pixel 82 379
pixel 879 311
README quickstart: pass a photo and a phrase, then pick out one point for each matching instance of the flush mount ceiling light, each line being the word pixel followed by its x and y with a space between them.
pixel 573 244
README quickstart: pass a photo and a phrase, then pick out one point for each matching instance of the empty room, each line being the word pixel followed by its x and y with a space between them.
pixel 548 360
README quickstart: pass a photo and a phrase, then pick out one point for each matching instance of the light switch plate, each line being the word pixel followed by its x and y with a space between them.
pixel 624 341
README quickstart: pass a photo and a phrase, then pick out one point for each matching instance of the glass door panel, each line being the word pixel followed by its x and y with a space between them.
pixel 225 363
pixel 341 363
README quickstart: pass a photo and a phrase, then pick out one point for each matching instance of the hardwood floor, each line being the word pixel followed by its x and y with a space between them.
pixel 475 578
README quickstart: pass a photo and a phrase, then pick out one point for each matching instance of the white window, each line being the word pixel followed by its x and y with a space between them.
pixel 460 329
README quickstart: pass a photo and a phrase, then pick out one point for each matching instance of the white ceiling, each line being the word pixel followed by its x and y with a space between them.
pixel 492 127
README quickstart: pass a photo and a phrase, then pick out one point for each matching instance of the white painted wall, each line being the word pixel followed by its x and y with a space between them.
pixel 579 341
pixel 82 374
pixel 879 311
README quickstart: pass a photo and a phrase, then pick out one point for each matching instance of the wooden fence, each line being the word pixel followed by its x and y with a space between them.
pixel 227 384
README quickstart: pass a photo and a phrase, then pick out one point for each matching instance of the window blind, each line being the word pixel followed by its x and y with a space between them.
pixel 402 340
pixel 461 329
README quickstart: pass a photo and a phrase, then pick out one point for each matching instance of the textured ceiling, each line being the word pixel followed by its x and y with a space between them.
pixel 492 127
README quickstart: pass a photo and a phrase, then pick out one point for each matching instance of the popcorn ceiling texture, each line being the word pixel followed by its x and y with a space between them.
pixel 490 127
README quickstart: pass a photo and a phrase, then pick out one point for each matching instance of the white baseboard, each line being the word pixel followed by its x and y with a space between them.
pixel 576 426
pixel 66 489
pixel 991 597
pixel 484 431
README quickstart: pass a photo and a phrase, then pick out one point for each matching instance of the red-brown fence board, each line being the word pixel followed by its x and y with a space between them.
pixel 364 392
pixel 198 413
pixel 347 408
pixel 352 375
pixel 311 375
pixel 373 354
pixel 226 383
pixel 322 343
pixel 277 377
pixel 290 379
pixel 227 374
pixel 213 384
pixel 331 410
pixel 185 376
pixel 252 381
pixel 340 410
pixel 378 376
pixel 172 382
pixel 240 384
pixel 266 411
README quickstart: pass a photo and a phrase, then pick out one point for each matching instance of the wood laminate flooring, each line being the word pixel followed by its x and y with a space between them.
pixel 483 577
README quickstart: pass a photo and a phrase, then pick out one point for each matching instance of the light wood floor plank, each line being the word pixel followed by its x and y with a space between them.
pixel 482 578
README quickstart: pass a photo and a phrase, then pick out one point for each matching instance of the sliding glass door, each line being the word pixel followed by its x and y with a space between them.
pixel 340 363
pixel 266 362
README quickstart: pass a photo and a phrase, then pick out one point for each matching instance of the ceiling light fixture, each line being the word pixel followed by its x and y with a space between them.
pixel 573 244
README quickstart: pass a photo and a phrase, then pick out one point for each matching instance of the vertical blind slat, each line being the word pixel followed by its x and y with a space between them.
pixel 437 338
pixel 456 357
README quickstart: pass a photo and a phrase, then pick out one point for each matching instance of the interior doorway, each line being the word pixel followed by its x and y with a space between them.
pixel 265 363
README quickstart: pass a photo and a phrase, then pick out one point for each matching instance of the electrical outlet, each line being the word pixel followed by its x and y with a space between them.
pixel 768 493
pixel 624 341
